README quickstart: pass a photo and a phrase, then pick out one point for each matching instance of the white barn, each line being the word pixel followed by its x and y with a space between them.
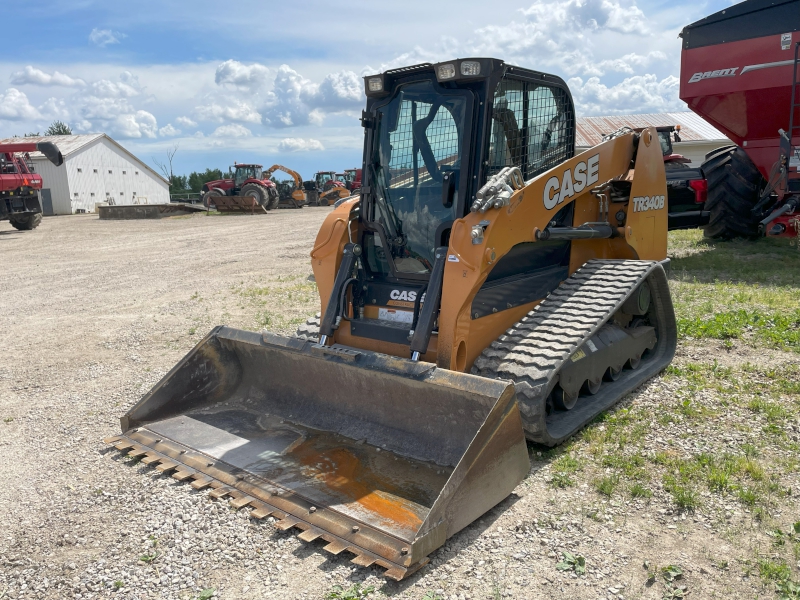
pixel 96 169
pixel 698 137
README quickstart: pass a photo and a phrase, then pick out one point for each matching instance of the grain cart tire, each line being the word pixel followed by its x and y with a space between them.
pixel 310 329
pixel 259 192
pixel 733 188
pixel 26 222
pixel 208 197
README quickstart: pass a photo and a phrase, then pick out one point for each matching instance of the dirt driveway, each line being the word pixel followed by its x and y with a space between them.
pixel 95 312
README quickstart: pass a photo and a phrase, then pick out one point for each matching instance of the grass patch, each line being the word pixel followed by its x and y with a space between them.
pixel 735 290
pixel 637 490
pixel 607 485
pixel 283 304
pixel 355 592
pixel 563 468
pixel 771 330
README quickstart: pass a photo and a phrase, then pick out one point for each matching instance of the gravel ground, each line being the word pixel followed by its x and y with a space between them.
pixel 96 312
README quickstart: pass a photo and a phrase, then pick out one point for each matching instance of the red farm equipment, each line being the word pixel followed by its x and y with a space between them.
pixel 248 190
pixel 739 71
pixel 352 179
pixel 20 202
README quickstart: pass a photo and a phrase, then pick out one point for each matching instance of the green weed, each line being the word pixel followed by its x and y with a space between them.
pixel 572 562
pixel 639 491
pixel 355 592
pixel 607 485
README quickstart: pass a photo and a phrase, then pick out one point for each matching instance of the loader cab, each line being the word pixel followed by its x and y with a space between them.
pixel 434 134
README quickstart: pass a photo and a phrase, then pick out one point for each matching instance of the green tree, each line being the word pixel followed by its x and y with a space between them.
pixel 178 184
pixel 196 180
pixel 58 128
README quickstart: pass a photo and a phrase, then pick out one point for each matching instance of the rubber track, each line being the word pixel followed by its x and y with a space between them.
pixel 310 329
pixel 532 352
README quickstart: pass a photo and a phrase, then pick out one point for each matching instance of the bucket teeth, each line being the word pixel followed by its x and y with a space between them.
pixel 151 458
pixel 260 509
pixel 241 501
pixel 363 560
pixel 112 440
pixel 182 473
pixel 310 534
pixel 123 445
pixel 166 465
pixel 201 481
pixel 335 547
pixel 220 492
pixel 287 523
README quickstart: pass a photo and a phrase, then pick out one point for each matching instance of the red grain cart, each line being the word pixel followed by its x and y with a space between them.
pixel 20 187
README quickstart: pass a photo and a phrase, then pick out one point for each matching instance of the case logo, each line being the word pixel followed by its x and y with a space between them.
pixel 645 203
pixel 713 74
pixel 408 296
pixel 572 182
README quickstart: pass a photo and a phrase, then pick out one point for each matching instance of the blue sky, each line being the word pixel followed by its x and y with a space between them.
pixel 281 81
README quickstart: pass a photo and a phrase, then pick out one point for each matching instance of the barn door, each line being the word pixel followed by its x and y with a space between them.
pixel 47 203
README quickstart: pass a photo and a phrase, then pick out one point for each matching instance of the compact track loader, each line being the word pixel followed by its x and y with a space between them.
pixel 485 287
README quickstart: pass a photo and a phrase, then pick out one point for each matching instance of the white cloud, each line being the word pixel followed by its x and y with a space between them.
pixel 15 106
pixel 560 34
pixel 232 72
pixel 232 131
pixel 133 125
pixel 299 145
pixel 295 100
pixel 32 76
pixel 169 131
pixel 127 87
pixel 340 91
pixel 637 94
pixel 186 122
pixel 236 110
pixel 104 37
pixel 629 63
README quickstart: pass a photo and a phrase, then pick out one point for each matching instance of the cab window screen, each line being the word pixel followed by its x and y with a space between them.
pixel 532 127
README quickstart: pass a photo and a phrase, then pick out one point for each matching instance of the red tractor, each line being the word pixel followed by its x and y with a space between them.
pixel 20 203
pixel 352 179
pixel 739 71
pixel 248 180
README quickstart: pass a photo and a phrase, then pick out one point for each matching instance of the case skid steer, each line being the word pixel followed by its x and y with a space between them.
pixel 485 287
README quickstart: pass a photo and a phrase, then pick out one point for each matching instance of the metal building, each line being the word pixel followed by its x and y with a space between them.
pixel 698 137
pixel 96 169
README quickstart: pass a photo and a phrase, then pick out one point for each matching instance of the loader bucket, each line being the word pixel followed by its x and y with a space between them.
pixel 380 456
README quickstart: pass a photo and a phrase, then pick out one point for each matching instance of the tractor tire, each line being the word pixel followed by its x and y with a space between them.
pixel 26 222
pixel 208 197
pixel 734 184
pixel 259 192
pixel 274 198
pixel 310 329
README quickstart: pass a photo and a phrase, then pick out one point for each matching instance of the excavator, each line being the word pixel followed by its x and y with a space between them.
pixel 487 287
pixel 297 197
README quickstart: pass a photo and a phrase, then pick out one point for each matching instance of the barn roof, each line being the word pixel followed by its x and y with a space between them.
pixel 693 128
pixel 70 144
